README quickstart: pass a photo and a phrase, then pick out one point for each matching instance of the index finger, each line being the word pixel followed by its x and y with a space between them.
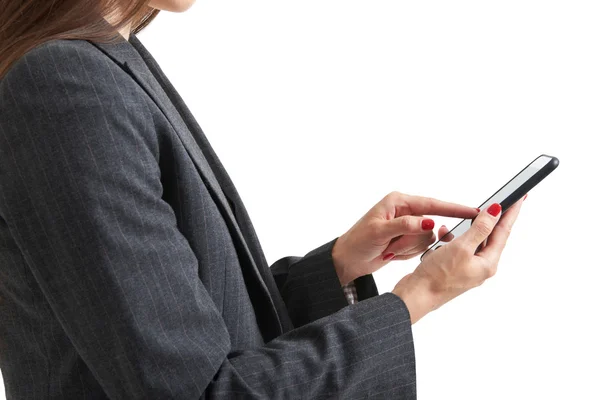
pixel 430 206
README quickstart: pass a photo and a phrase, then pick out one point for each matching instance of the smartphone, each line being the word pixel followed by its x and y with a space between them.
pixel 508 194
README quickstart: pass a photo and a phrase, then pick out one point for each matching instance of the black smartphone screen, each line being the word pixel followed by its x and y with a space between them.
pixel 508 194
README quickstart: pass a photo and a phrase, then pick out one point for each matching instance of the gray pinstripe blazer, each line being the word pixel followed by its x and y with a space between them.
pixel 129 268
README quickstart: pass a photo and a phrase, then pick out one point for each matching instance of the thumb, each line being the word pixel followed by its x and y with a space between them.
pixel 408 225
pixel 482 227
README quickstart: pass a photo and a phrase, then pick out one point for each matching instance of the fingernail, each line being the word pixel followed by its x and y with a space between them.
pixel 494 209
pixel 388 256
pixel 478 209
pixel 427 224
pixel 525 198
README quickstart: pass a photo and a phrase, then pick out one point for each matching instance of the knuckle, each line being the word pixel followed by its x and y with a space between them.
pixel 505 231
pixel 483 228
pixel 427 202
pixel 476 279
pixel 394 195
pixel 489 269
pixel 405 223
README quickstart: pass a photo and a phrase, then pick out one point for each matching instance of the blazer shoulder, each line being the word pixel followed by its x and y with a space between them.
pixel 60 63
pixel 62 82
pixel 52 57
pixel 69 73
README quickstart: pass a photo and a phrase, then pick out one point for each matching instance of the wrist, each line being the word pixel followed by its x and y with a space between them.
pixel 418 296
pixel 339 264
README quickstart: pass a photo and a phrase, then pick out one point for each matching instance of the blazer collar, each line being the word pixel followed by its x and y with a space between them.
pixel 135 59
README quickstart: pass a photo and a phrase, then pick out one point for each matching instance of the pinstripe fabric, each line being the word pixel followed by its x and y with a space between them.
pixel 129 268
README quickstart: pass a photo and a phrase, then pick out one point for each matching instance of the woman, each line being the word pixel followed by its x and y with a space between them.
pixel 129 268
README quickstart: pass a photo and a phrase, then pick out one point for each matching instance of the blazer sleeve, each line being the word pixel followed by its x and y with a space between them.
pixel 310 286
pixel 80 191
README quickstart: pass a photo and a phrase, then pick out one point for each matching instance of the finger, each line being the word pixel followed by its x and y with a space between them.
pixel 444 234
pixel 421 248
pixel 407 225
pixel 430 206
pixel 497 240
pixel 482 227
pixel 414 253
pixel 404 258
pixel 409 244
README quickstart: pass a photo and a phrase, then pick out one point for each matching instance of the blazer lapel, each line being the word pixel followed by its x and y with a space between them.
pixel 224 183
pixel 146 71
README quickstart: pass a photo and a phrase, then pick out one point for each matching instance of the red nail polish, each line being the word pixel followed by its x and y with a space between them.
pixel 478 209
pixel 427 224
pixel 525 198
pixel 388 256
pixel 494 209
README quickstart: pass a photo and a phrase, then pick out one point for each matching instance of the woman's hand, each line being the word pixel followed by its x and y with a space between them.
pixel 394 229
pixel 458 266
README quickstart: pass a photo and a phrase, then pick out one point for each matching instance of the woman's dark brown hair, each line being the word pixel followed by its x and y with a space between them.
pixel 25 24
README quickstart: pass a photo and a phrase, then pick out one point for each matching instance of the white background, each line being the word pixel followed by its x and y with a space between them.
pixel 320 108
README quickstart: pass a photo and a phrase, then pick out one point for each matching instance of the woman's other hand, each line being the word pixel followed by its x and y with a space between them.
pixel 394 229
pixel 458 266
